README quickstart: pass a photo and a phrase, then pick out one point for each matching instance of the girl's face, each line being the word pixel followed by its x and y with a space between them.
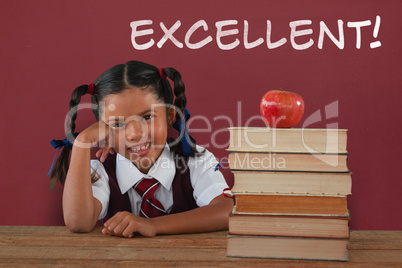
pixel 139 125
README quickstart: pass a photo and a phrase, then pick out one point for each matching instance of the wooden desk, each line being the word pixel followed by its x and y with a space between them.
pixel 55 246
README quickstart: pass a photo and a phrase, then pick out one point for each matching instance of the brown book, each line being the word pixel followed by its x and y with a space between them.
pixel 297 140
pixel 300 162
pixel 292 182
pixel 289 226
pixel 330 205
pixel 287 248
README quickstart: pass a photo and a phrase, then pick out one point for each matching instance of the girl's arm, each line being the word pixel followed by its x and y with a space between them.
pixel 80 209
pixel 212 217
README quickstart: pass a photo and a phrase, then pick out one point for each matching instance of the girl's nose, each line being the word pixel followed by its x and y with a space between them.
pixel 135 131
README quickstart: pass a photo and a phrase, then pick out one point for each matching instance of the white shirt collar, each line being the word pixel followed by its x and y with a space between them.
pixel 164 170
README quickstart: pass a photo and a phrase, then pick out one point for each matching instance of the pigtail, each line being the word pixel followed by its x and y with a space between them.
pixel 59 171
pixel 180 103
pixel 178 89
pixel 73 109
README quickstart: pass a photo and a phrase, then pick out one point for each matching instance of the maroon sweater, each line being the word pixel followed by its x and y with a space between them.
pixel 183 199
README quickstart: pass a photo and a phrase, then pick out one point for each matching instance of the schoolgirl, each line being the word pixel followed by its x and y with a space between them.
pixel 142 182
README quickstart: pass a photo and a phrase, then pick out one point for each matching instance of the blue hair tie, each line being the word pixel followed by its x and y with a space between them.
pixel 180 126
pixel 60 144
pixel 219 165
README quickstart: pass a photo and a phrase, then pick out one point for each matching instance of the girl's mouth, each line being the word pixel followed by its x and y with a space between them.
pixel 140 150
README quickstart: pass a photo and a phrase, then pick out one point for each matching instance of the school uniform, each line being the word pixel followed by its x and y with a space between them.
pixel 185 183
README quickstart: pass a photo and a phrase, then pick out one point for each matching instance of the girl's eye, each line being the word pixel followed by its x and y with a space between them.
pixel 147 117
pixel 118 125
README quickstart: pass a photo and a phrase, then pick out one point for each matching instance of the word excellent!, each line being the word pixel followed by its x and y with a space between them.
pixel 227 28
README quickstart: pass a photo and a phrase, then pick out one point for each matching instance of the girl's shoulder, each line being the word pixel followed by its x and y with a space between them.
pixel 204 159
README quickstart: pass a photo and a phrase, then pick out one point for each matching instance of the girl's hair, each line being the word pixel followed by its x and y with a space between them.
pixel 114 81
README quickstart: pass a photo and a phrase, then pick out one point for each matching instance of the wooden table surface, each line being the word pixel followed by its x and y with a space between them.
pixel 44 246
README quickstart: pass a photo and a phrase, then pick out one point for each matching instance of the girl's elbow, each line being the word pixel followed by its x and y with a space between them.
pixel 78 226
pixel 78 229
pixel 228 204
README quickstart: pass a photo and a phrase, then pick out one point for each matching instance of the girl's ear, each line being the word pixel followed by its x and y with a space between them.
pixel 171 116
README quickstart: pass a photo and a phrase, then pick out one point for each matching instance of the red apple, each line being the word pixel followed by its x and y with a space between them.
pixel 281 108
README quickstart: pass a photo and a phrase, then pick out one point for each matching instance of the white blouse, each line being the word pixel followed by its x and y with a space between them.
pixel 206 182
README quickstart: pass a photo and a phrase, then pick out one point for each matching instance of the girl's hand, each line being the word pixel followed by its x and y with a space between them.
pixel 126 224
pixel 98 134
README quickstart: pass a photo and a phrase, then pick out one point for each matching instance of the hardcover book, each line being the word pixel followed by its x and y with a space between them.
pixel 292 182
pixel 297 140
pixel 287 248
pixel 295 162
pixel 323 205
pixel 289 226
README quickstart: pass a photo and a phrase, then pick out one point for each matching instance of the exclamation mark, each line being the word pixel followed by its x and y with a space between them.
pixel 375 33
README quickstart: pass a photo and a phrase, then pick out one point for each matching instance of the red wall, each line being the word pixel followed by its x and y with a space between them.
pixel 49 49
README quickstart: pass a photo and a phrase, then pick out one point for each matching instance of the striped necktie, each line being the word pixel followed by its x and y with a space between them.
pixel 150 206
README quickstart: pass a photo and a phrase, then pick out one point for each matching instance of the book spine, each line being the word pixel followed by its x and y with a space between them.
pixel 289 226
pixel 289 140
pixel 292 204
pixel 288 162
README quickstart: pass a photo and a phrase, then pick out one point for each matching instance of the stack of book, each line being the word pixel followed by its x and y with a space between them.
pixel 290 187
